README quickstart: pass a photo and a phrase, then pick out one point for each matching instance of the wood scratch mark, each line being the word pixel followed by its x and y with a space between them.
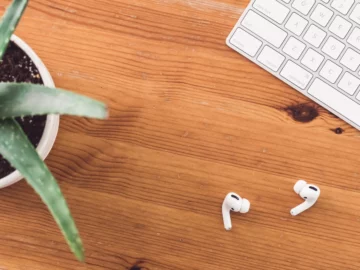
pixel 206 5
pixel 185 134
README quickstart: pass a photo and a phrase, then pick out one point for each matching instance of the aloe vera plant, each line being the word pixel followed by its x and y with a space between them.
pixel 27 99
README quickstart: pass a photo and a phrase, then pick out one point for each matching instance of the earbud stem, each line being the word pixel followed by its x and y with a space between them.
pixel 226 218
pixel 300 208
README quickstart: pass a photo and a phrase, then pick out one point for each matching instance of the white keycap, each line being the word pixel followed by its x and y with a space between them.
pixel 245 42
pixel 351 59
pixel 349 83
pixel 340 27
pixel 333 48
pixel 354 38
pixel 321 15
pixel 272 9
pixel 303 6
pixel 355 15
pixel 296 74
pixel 314 36
pixel 336 100
pixel 312 60
pixel 330 71
pixel 342 6
pixel 271 58
pixel 296 24
pixel 264 29
pixel 294 48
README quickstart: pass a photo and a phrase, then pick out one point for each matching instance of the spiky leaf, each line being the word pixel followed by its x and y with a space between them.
pixel 29 99
pixel 17 149
pixel 9 22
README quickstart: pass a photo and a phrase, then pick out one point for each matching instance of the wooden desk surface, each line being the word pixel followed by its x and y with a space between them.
pixel 190 121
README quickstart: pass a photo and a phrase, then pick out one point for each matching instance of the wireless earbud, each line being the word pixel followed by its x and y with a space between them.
pixel 233 202
pixel 310 193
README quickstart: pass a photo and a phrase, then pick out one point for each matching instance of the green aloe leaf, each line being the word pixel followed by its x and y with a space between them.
pixel 18 150
pixel 19 99
pixel 9 22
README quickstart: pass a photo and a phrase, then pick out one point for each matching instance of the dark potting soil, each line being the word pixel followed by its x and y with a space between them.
pixel 16 66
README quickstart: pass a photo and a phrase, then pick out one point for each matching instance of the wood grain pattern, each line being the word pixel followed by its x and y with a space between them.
pixel 190 121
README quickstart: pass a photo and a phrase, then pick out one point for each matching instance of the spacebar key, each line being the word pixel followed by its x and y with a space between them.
pixel 335 100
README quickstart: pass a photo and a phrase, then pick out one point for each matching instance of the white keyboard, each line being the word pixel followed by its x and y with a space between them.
pixel 312 45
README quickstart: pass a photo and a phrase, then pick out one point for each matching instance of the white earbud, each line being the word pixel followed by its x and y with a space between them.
pixel 310 193
pixel 234 203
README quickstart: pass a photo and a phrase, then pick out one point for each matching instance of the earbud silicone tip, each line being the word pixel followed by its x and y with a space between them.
pixel 299 186
pixel 245 207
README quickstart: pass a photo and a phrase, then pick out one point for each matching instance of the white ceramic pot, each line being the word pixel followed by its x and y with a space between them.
pixel 52 121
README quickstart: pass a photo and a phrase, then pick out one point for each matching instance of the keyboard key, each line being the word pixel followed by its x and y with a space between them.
pixel 322 15
pixel 264 29
pixel 354 38
pixel 312 60
pixel 342 6
pixel 355 15
pixel 315 36
pixel 349 83
pixel 294 48
pixel 333 48
pixel 271 58
pixel 340 27
pixel 296 74
pixel 330 71
pixel 351 59
pixel 245 42
pixel 335 100
pixel 296 24
pixel 272 9
pixel 312 45
pixel 303 6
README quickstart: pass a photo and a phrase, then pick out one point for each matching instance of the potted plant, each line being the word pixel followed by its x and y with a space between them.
pixel 33 107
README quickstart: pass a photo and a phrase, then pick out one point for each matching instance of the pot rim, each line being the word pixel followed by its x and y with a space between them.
pixel 52 121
